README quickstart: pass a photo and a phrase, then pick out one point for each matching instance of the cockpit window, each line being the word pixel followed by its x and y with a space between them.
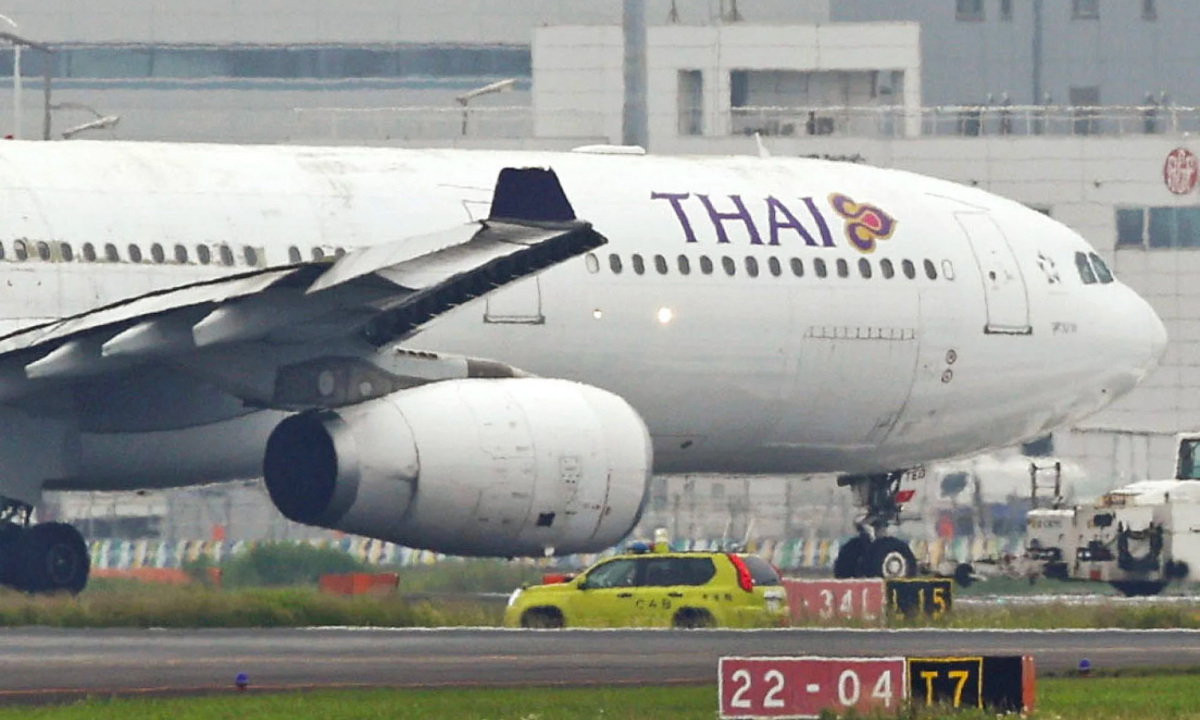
pixel 1102 270
pixel 1085 269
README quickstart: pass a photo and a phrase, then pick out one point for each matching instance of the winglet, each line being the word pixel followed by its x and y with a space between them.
pixel 530 195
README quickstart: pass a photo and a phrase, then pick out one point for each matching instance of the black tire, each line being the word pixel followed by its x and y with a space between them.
pixel 890 558
pixel 542 619
pixel 693 619
pixel 1138 588
pixel 50 558
pixel 849 561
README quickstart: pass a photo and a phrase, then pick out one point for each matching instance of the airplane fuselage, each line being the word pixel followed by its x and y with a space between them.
pixel 762 315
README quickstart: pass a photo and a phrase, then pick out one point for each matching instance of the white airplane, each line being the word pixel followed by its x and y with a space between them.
pixel 488 353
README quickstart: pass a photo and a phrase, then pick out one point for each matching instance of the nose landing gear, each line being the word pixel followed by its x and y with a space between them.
pixel 873 553
pixel 43 558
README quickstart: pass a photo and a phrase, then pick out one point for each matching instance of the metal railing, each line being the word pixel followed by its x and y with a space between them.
pixel 423 122
pixel 965 120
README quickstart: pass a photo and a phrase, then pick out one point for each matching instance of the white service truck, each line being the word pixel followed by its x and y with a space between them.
pixel 1137 538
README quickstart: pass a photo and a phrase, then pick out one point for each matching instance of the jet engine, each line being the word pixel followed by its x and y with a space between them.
pixel 502 467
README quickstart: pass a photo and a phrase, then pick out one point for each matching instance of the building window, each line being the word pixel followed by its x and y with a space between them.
pixel 691 102
pixel 1085 104
pixel 1131 227
pixel 1149 10
pixel 1006 10
pixel 968 9
pixel 1085 9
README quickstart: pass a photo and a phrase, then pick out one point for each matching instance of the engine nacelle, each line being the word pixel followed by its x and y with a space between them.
pixel 498 467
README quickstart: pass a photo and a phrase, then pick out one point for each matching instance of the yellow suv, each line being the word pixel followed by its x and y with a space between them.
pixel 659 589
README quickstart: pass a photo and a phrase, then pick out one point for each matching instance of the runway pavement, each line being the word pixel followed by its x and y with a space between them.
pixel 38 664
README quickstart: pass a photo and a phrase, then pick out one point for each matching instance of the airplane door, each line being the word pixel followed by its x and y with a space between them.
pixel 1003 284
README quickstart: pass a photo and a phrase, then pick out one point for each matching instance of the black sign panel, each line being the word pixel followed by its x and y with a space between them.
pixel 931 597
pixel 952 681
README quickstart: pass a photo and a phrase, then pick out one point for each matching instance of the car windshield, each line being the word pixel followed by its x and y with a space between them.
pixel 678 571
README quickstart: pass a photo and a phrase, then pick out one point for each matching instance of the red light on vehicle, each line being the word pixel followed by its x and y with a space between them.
pixel 904 496
pixel 745 582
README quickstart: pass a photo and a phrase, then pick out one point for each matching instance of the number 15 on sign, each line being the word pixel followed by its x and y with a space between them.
pixel 803 687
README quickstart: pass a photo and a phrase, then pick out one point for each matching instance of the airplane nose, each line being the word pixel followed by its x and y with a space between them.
pixel 1158 336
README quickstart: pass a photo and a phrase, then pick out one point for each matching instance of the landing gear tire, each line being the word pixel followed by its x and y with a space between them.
pixel 849 562
pixel 889 558
pixel 1138 588
pixel 49 558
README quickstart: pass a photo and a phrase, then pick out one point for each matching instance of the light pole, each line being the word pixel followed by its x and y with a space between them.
pixel 465 98
pixel 16 77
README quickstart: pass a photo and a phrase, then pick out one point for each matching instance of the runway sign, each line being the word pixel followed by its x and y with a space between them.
pixel 804 687
pixel 858 600
pixel 808 687
pixel 932 597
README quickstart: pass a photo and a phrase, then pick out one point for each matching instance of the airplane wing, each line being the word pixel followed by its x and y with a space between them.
pixel 314 333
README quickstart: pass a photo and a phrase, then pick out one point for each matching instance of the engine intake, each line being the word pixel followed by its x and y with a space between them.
pixel 497 467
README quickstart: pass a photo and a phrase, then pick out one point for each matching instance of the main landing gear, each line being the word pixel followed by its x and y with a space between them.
pixel 873 553
pixel 43 558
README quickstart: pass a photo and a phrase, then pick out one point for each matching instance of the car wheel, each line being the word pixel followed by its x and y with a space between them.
pixel 542 619
pixel 693 619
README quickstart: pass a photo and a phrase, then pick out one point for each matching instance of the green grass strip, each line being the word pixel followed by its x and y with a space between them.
pixel 1165 696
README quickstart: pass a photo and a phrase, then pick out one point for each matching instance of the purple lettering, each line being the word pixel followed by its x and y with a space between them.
pixel 776 209
pixel 719 219
pixel 826 236
pixel 676 200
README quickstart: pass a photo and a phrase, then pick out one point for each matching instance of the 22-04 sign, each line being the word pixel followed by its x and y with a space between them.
pixel 802 687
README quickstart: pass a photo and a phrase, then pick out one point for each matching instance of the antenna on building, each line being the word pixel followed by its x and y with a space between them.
pixel 734 15
pixel 673 14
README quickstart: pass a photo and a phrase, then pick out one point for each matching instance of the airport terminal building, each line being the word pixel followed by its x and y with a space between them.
pixel 1083 109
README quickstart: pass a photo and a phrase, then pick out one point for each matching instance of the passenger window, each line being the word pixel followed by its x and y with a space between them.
pixel 751 266
pixel 1102 270
pixel 1085 269
pixel 706 265
pixel 68 253
pixel 181 255
pixel 251 256
pixel 614 263
pixel 947 269
pixel 885 267
pixel 135 253
pixel 910 270
pixel 761 571
pixel 775 267
pixel 339 252
pixel 226 255
pixel 864 268
pixel 797 267
pixel 843 268
pixel 43 250
pixel 21 250
pixel 589 260
pixel 111 254
pixel 1 251
pixel 930 270
pixel 660 264
pixel 204 253
pixel 294 255
pixel 819 268
pixel 318 254
pixel 729 265
pixel 89 252
pixel 615 573
pixel 668 572
pixel 685 265
pixel 156 252
pixel 639 265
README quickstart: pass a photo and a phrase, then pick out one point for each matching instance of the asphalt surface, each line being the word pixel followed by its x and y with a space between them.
pixel 45 664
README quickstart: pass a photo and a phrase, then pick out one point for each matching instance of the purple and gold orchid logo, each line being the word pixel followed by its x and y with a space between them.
pixel 866 224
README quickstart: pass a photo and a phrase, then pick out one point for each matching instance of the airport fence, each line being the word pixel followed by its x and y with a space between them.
pixel 800 554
